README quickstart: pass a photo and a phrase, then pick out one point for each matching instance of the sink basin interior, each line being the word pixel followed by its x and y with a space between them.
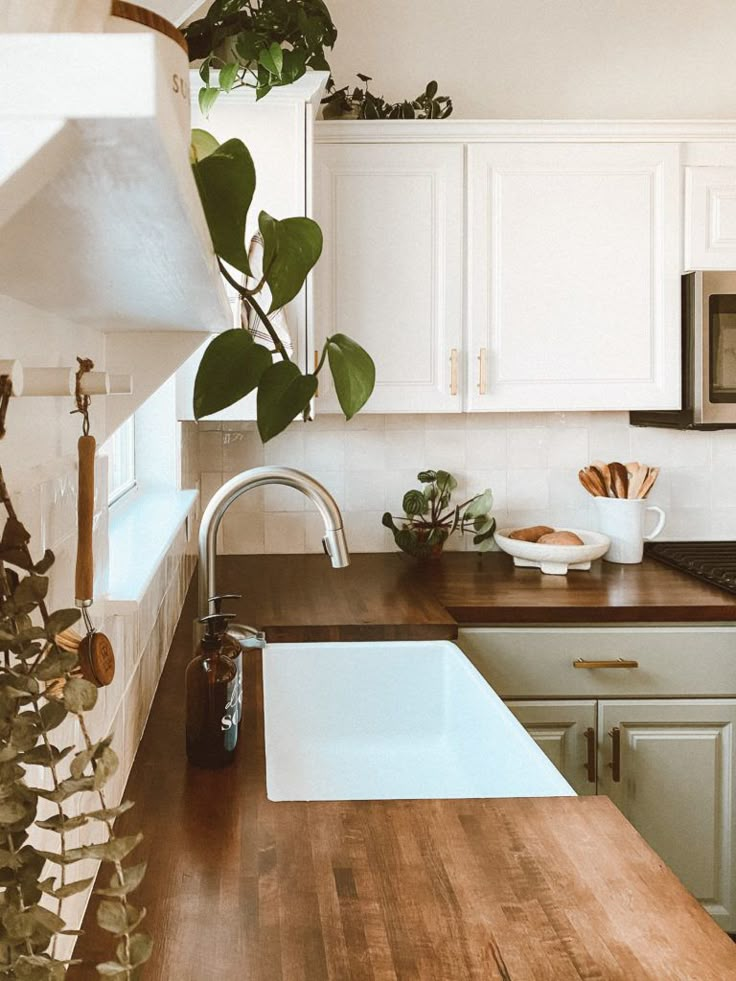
pixel 392 720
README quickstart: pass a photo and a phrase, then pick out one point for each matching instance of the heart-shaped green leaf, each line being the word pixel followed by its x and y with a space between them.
pixel 202 144
pixel 290 249
pixel 353 373
pixel 283 393
pixel 207 97
pixel 226 181
pixel 231 367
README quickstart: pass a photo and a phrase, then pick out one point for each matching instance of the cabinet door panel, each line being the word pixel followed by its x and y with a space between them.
pixel 710 218
pixel 559 729
pixel 676 787
pixel 391 272
pixel 574 265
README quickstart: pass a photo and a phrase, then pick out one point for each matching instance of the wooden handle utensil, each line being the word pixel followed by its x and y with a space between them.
pixel 84 577
pixel 96 657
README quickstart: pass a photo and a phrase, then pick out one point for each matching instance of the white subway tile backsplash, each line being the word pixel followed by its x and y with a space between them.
pixel 527 449
pixel 530 461
pixel 364 490
pixel 723 487
pixel 365 450
pixel 445 449
pixel 286 449
pixel 284 533
pixel 567 446
pixel 210 449
pixel 406 449
pixel 324 450
pixel 528 488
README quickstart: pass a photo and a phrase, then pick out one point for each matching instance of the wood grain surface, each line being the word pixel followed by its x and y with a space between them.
pixel 84 572
pixel 528 890
pixel 391 596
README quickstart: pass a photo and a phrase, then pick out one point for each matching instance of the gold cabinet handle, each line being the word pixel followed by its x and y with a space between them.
pixel 615 763
pixel 590 760
pixel 482 371
pixel 618 663
pixel 453 371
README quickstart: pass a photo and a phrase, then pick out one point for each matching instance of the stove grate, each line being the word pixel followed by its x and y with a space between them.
pixel 713 562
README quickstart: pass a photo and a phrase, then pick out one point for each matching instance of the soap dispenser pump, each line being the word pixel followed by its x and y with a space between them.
pixel 212 698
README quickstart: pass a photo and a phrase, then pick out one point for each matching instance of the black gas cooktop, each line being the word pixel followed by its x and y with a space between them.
pixel 713 562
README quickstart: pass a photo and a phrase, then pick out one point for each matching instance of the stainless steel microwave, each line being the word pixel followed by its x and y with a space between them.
pixel 708 356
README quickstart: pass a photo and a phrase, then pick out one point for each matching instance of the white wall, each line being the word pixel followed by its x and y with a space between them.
pixel 545 58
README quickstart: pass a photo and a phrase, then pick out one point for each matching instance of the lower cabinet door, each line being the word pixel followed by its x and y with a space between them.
pixel 566 732
pixel 668 764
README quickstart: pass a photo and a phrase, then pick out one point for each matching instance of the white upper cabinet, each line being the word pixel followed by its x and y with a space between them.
pixel 391 274
pixel 573 276
pixel 710 218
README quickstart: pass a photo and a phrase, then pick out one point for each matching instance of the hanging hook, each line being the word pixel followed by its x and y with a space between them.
pixel 6 390
pixel 83 401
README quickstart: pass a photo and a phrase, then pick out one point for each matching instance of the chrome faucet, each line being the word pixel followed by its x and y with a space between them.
pixel 334 542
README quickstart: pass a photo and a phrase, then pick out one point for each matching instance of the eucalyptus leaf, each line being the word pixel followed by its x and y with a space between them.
pixel 79 695
pixel 61 620
pixel 111 916
pixel 132 878
pixel 291 247
pixel 231 367
pixel 226 181
pixel 353 373
pixel 283 393
pixel 141 948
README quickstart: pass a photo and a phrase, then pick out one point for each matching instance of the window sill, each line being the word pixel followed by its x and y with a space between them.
pixel 141 533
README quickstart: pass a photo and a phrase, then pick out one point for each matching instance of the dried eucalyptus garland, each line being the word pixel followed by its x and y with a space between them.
pixel 40 687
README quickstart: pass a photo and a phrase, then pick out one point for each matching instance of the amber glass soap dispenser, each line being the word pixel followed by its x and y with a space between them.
pixel 213 698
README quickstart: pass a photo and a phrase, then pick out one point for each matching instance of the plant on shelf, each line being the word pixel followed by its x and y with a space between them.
pixel 234 364
pixel 40 688
pixel 430 518
pixel 361 103
pixel 259 44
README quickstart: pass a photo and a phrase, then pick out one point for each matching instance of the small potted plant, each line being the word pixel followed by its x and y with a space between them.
pixel 430 518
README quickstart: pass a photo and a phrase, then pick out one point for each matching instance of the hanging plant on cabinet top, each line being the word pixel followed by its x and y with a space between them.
pixel 258 44
pixel 234 364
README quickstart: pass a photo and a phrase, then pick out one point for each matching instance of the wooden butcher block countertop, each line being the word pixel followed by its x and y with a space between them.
pixel 391 596
pixel 242 889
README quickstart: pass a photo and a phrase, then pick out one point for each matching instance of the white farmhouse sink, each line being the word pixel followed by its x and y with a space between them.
pixel 398 720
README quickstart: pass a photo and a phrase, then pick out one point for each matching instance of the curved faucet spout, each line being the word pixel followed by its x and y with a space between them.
pixel 334 539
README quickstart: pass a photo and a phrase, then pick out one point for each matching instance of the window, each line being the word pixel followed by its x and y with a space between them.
pixel 120 451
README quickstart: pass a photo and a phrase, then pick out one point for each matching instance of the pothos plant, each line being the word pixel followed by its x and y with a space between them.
pixel 430 517
pixel 260 44
pixel 360 103
pixel 234 364
pixel 40 688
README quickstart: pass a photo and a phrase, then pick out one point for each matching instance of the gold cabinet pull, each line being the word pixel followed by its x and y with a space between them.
pixel 482 371
pixel 453 371
pixel 590 759
pixel 615 763
pixel 620 662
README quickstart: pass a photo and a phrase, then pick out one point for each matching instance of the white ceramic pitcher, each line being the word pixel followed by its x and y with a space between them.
pixel 624 522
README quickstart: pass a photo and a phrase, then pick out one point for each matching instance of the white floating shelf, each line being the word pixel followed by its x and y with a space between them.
pixel 101 220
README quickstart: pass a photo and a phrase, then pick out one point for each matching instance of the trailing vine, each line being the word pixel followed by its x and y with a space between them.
pixel 40 688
